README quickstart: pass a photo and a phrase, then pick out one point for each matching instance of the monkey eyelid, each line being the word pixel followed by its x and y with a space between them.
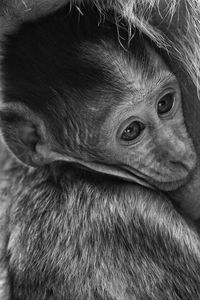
pixel 126 124
pixel 170 114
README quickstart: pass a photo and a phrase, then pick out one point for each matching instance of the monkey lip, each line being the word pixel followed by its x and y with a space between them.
pixel 167 186
pixel 163 185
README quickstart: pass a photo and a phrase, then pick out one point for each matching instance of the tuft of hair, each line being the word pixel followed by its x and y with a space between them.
pixel 173 25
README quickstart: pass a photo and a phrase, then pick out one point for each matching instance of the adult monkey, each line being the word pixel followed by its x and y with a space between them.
pixel 144 290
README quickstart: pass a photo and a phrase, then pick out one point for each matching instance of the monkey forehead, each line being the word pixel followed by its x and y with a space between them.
pixel 143 89
pixel 146 74
pixel 135 69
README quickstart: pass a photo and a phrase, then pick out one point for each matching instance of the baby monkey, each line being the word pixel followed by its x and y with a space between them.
pixel 110 110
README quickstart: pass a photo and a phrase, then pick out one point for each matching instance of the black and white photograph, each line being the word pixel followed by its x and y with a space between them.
pixel 99 149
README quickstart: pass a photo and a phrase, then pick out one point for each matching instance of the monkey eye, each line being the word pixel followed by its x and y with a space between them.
pixel 165 104
pixel 132 131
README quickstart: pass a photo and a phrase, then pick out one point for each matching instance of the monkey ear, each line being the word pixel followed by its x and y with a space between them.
pixel 25 134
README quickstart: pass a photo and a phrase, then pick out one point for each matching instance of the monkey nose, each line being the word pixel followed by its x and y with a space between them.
pixel 178 164
pixel 184 158
pixel 179 155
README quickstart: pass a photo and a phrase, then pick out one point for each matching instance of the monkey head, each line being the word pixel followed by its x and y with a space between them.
pixel 81 98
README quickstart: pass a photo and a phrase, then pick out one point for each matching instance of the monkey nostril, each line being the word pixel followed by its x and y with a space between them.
pixel 176 162
pixel 179 164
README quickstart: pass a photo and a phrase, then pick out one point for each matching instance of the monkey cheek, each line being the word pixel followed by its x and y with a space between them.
pixel 190 161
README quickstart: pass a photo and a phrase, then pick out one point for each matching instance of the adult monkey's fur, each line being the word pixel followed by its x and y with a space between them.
pixel 172 25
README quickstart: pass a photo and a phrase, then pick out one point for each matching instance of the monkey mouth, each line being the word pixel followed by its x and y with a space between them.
pixel 135 176
pixel 118 171
pixel 167 186
pixel 162 185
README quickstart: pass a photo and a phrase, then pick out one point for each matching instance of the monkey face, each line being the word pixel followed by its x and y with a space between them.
pixel 149 136
pixel 113 111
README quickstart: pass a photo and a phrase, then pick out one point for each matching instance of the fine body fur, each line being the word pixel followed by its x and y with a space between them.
pixel 72 236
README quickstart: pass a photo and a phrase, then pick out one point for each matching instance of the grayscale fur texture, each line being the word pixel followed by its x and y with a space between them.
pixel 152 17
pixel 105 240
pixel 66 235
